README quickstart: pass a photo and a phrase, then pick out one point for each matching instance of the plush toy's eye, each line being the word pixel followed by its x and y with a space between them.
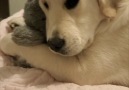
pixel 70 4
pixel 46 5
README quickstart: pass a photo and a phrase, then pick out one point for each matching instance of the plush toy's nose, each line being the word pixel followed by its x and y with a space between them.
pixel 56 44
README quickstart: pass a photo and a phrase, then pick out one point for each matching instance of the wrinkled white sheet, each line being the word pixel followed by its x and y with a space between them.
pixel 17 78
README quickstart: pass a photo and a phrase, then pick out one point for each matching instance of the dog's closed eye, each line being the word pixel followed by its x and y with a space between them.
pixel 71 4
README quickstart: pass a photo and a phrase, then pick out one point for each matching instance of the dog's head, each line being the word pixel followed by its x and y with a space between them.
pixel 71 24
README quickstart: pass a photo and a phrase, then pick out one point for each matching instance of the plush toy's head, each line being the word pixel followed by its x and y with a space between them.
pixel 34 16
pixel 33 29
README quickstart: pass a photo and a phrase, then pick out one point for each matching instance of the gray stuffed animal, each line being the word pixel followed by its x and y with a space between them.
pixel 30 34
pixel 33 33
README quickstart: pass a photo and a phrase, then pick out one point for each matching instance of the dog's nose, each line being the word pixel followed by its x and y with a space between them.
pixel 56 44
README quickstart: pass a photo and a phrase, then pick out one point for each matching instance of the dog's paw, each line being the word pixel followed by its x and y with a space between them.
pixel 15 22
pixel 110 12
pixel 27 37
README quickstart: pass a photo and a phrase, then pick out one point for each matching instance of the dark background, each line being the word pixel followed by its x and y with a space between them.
pixel 4 9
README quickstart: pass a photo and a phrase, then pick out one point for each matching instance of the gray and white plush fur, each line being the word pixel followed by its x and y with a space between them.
pixel 33 31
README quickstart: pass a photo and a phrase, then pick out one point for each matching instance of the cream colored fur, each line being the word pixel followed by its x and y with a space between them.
pixel 105 61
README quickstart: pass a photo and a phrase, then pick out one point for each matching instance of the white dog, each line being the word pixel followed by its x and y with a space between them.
pixel 96 49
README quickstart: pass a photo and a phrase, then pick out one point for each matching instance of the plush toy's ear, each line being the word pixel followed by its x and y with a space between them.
pixel 108 8
pixel 16 21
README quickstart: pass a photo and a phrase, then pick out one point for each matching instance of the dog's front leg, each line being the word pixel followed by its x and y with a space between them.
pixel 62 68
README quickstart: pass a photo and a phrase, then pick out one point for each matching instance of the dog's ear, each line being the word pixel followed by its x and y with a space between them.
pixel 108 8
